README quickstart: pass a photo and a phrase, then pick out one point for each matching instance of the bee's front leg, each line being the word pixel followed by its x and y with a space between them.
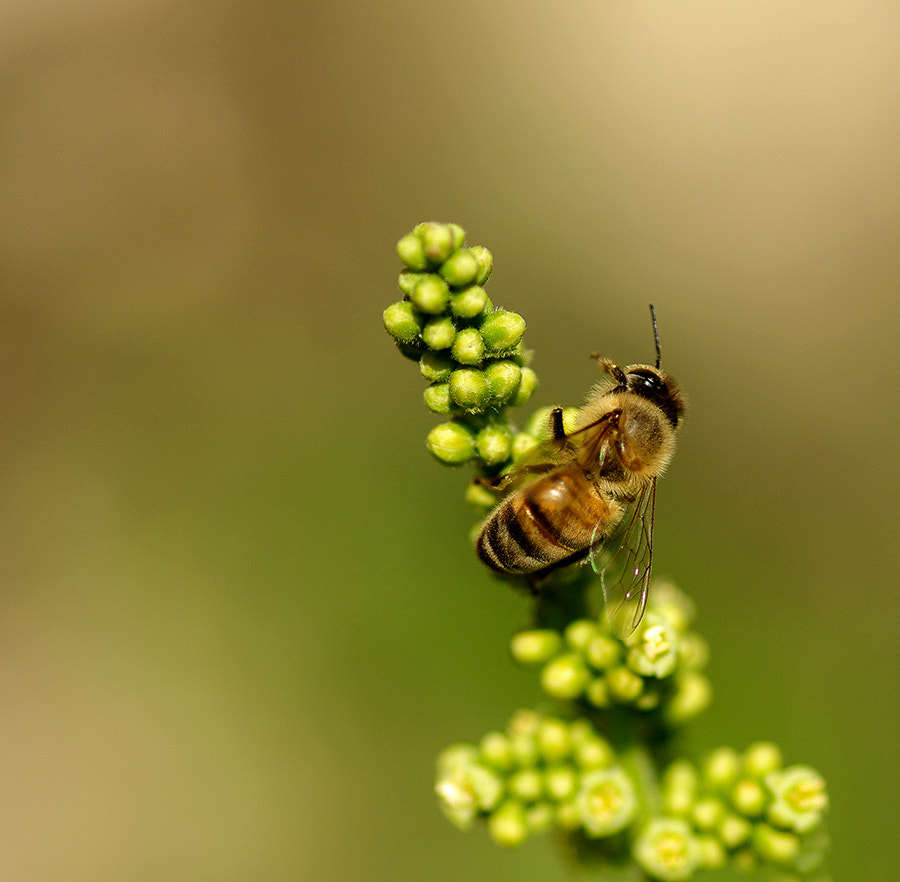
pixel 556 424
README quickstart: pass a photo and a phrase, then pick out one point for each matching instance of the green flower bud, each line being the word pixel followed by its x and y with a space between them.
pixel 581 730
pixel 464 787
pixel 667 850
pixel 560 782
pixel 412 252
pixel 503 379
pixel 653 647
pixel 679 787
pixel 672 604
pixel 570 417
pixel 538 425
pixel 460 269
pixel 539 817
pixel 430 295
pixel 648 700
pixel 568 817
pixel 494 444
pixel 524 445
pixel 734 830
pixel 748 797
pixel 477 494
pixel 459 236
pixel 456 756
pixel 438 240
pixel 485 261
pixel 468 347
pixel 468 303
pixel 435 368
pixel 594 753
pixel 624 684
pixel 527 386
pixel 712 854
pixel 437 398
pixel 579 633
pixel 439 333
pixel 496 751
pixel 526 785
pixel 721 768
pixel 607 801
pixel 553 740
pixel 408 280
pixel 459 806
pixel 486 786
pixel 800 798
pixel 775 845
pixel 507 826
pixel 602 652
pixel 693 650
pixel 707 813
pixel 597 693
pixel 519 355
pixel 469 389
pixel 451 443
pixel 502 331
pixel 565 676
pixel 525 723
pixel 535 647
pixel 762 758
pixel 692 696
pixel 524 749
pixel 401 321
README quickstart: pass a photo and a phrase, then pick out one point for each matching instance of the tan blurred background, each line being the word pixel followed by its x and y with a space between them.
pixel 224 652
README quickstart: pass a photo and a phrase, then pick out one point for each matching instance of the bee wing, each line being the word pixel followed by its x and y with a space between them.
pixel 624 562
pixel 544 459
pixel 551 453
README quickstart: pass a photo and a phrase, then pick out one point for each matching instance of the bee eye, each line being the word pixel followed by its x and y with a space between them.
pixel 646 384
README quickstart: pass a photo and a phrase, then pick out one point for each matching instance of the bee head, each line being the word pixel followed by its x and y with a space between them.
pixel 654 385
pixel 648 382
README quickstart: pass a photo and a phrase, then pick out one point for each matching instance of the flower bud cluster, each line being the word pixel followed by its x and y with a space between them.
pixel 542 771
pixel 658 667
pixel 470 352
pixel 745 809
pixel 598 773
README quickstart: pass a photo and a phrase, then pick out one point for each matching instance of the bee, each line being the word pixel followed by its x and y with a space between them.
pixel 567 504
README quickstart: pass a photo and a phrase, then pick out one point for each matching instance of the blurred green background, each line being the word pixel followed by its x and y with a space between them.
pixel 226 651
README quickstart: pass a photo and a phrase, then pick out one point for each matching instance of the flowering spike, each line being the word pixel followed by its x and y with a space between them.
pixel 607 792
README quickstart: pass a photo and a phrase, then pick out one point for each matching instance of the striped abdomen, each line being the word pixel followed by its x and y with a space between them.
pixel 549 522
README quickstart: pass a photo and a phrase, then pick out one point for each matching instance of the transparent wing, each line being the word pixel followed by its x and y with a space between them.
pixel 543 459
pixel 624 562
pixel 554 451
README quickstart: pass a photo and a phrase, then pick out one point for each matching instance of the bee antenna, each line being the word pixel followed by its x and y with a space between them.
pixel 655 334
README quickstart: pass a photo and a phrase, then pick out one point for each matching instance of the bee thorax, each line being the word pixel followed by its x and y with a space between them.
pixel 645 441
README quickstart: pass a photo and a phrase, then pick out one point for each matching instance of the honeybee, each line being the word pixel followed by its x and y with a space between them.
pixel 567 504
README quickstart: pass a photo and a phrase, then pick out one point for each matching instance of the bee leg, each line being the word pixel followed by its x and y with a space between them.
pixel 560 438
pixel 612 369
pixel 495 484
pixel 556 424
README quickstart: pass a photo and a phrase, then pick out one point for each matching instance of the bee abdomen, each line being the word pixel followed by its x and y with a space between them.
pixel 548 522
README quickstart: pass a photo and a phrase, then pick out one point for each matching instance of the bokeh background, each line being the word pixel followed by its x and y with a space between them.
pixel 238 614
